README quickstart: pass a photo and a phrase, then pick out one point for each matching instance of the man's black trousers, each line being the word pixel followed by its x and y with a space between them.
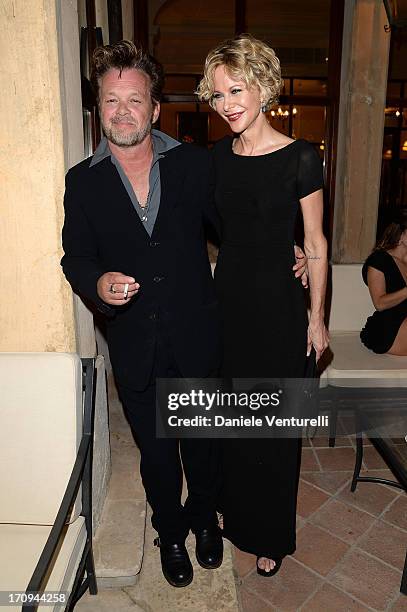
pixel 161 467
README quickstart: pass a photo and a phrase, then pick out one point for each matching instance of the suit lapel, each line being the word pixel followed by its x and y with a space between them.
pixel 171 178
pixel 111 182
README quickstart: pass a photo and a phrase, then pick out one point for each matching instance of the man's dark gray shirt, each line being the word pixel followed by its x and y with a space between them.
pixel 161 144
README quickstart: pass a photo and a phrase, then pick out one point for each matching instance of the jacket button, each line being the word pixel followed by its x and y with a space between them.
pixel 154 244
pixel 158 279
pixel 153 316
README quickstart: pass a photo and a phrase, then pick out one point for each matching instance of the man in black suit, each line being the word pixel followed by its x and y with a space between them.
pixel 135 245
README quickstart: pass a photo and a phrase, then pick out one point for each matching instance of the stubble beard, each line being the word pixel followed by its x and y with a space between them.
pixel 129 138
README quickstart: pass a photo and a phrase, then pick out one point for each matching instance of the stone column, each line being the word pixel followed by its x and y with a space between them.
pixel 361 121
pixel 69 65
pixel 36 311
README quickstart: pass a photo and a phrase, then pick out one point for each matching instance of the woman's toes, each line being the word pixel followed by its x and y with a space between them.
pixel 266 564
pixel 262 563
pixel 269 565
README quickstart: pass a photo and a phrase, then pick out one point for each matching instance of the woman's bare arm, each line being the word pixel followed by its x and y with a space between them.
pixel 315 248
pixel 377 288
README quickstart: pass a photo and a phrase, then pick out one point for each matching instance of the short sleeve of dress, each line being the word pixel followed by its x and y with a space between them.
pixel 309 173
pixel 378 260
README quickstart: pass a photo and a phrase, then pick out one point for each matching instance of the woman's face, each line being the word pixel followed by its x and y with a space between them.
pixel 238 106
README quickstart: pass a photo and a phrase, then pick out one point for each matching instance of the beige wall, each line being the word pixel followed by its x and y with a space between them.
pixel 41 139
pixel 36 311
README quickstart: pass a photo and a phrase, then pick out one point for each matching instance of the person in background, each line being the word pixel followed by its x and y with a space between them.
pixel 263 178
pixel 385 273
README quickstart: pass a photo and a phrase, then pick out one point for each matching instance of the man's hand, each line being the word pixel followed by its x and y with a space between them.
pixel 300 267
pixel 116 288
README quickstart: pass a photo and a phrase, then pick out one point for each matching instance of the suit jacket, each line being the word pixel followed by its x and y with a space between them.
pixel 103 233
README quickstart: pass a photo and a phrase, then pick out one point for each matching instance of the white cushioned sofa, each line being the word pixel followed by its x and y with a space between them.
pixel 46 417
pixel 350 306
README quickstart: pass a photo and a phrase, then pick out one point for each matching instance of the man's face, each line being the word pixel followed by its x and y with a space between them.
pixel 125 106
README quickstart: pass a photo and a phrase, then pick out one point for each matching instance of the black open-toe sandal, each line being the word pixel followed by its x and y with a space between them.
pixel 272 572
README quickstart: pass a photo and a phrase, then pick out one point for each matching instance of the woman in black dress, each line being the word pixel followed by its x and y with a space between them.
pixel 385 273
pixel 263 178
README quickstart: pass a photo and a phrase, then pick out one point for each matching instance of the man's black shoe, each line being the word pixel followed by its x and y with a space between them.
pixel 209 547
pixel 175 563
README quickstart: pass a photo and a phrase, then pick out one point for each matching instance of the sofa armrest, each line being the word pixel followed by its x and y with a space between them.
pixel 82 464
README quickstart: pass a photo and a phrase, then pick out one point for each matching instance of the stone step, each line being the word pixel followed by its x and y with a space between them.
pixel 210 590
pixel 119 539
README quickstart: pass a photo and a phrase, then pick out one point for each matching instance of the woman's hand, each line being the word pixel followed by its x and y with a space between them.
pixel 318 337
pixel 300 268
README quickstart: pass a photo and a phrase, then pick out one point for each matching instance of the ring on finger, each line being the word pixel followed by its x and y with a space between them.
pixel 112 289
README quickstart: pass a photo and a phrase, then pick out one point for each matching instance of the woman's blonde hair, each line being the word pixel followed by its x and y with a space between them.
pixel 248 59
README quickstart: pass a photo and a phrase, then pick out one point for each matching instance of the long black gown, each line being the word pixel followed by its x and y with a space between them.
pixel 264 329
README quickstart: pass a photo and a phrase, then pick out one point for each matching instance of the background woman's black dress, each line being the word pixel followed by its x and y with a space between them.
pixel 265 329
pixel 382 327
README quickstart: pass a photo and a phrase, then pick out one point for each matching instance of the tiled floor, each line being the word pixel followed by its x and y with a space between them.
pixel 350 546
